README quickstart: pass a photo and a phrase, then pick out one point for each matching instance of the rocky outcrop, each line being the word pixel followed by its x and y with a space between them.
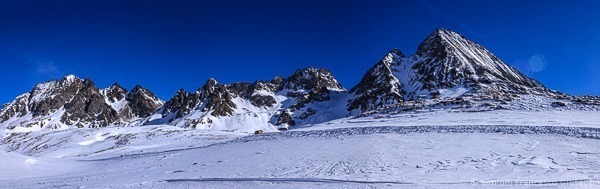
pixel 114 93
pixel 17 108
pixel 88 108
pixel 379 87
pixel 285 119
pixel 311 79
pixel 218 99
pixel 50 96
pixel 142 102
pixel 181 104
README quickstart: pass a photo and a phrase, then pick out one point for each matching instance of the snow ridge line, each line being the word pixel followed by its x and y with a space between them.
pixel 578 132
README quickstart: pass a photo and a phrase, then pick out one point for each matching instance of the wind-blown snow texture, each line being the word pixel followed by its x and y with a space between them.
pixel 458 156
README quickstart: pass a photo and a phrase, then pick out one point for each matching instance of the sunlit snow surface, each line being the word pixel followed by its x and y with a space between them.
pixel 428 149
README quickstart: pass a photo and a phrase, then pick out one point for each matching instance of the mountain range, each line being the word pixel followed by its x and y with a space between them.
pixel 447 70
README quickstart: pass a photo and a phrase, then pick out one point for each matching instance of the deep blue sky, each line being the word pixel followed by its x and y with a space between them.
pixel 169 45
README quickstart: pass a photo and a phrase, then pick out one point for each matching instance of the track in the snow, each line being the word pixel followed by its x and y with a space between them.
pixel 288 180
pixel 579 132
pixel 330 181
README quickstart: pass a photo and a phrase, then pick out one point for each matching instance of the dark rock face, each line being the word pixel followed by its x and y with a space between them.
pixel 88 106
pixel 285 118
pixel 260 100
pixel 211 96
pixel 379 87
pixel 310 85
pixel 303 98
pixel 181 104
pixel 307 86
pixel 218 99
pixel 50 96
pixel 17 108
pixel 312 79
pixel 115 93
pixel 248 91
pixel 142 102
pixel 240 89
pixel 276 84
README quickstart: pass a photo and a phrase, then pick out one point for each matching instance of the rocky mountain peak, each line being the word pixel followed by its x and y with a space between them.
pixel 181 104
pixel 69 79
pixel 209 86
pixel 446 64
pixel 396 53
pixel 116 86
pixel 114 93
pixel 141 92
pixel 379 87
pixel 181 91
pixel 278 80
pixel 138 88
pixel 88 107
pixel 142 102
pixel 447 59
pixel 310 79
pixel 218 99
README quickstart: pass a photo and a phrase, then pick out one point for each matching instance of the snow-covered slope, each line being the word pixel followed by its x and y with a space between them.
pixel 473 151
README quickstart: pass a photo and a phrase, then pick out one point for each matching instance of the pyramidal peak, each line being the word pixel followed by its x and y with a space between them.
pixel 139 89
pixel 446 64
pixel 460 61
pixel 115 87
pixel 397 53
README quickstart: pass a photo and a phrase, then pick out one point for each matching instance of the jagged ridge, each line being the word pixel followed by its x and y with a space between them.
pixel 72 101
pixel 445 66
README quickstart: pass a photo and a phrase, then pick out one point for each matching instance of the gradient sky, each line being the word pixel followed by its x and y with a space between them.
pixel 167 45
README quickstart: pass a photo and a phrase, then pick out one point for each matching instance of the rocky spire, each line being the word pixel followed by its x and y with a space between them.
pixel 114 93
pixel 142 102
pixel 312 79
pixel 379 87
